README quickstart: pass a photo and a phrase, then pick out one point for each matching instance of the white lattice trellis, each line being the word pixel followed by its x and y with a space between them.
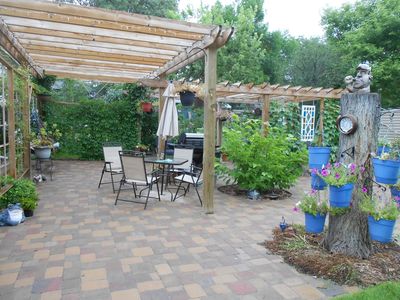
pixel 307 122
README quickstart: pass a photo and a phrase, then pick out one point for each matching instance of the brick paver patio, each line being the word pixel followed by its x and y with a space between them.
pixel 80 246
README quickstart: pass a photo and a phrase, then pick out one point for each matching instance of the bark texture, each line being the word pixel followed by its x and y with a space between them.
pixel 348 233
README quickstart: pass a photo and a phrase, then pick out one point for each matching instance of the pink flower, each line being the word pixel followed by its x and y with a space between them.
pixel 314 171
pixel 397 199
pixel 313 192
pixel 328 166
pixel 362 169
pixel 337 175
pixel 324 172
pixel 364 189
pixel 352 167
pixel 295 209
pixel 337 164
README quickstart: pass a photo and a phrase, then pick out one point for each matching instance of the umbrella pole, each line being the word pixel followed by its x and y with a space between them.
pixel 161 103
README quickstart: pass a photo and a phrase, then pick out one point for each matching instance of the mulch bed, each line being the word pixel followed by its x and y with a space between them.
pixel 235 190
pixel 305 253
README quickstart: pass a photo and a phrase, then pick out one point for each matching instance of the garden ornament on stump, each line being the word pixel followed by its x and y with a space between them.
pixel 361 83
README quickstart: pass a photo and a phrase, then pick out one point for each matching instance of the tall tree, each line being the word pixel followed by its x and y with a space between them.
pixel 369 31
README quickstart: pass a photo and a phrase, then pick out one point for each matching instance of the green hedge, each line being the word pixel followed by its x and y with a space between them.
pixel 87 125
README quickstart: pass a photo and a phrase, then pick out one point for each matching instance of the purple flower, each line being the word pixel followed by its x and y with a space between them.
pixel 362 169
pixel 364 189
pixel 314 171
pixel 328 166
pixel 337 175
pixel 295 209
pixel 352 167
pixel 324 172
pixel 397 199
pixel 337 164
pixel 313 192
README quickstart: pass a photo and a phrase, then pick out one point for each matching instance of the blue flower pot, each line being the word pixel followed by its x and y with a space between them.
pixel 318 156
pixel 317 183
pixel 340 196
pixel 381 230
pixel 314 224
pixel 386 171
pixel 395 192
pixel 187 98
pixel 381 148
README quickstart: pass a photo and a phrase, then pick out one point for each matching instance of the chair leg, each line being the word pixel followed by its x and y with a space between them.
pixel 112 181
pixel 119 190
pixel 101 178
pixel 177 191
pixel 147 198
pixel 158 191
pixel 198 194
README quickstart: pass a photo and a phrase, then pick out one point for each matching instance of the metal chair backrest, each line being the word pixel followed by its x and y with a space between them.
pixel 184 152
pixel 111 154
pixel 133 166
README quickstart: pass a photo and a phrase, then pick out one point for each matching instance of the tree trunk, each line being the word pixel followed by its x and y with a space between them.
pixel 348 233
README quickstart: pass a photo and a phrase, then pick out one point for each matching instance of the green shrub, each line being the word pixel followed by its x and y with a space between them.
pixel 261 163
pixel 23 192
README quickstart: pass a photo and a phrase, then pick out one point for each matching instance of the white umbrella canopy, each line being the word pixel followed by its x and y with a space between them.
pixel 168 124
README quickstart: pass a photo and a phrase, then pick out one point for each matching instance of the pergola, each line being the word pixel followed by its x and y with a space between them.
pixel 96 44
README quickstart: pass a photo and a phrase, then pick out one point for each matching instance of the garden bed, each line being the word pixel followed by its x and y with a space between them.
pixel 305 253
pixel 235 190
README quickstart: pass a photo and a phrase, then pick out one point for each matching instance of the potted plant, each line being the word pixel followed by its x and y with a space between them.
pixel 318 156
pixel 340 179
pixel 142 148
pixel 315 209
pixel 43 140
pixel 146 106
pixel 317 183
pixel 187 92
pixel 23 192
pixel 382 215
pixel 387 167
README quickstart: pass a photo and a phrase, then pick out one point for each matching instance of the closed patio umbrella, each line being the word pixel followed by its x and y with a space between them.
pixel 168 124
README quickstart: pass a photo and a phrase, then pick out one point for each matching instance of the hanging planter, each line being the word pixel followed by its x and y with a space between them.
pixel 317 183
pixel 146 106
pixel 42 152
pixel 386 170
pixel 384 149
pixel 381 230
pixel 314 224
pixel 318 156
pixel 187 98
pixel 340 196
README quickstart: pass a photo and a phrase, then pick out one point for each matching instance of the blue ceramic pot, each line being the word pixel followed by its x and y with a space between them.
pixel 386 170
pixel 314 224
pixel 340 196
pixel 318 156
pixel 317 183
pixel 381 230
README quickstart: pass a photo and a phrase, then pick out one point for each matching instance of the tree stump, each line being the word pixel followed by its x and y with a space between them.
pixel 348 233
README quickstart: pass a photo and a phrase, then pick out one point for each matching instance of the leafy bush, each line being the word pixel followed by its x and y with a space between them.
pixel 261 163
pixel 88 124
pixel 378 208
pixel 23 192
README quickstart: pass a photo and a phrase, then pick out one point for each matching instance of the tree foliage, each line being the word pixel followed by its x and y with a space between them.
pixel 369 31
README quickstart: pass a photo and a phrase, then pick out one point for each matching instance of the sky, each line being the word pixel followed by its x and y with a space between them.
pixel 298 17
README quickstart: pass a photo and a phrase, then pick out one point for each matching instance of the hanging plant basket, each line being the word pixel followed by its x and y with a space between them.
pixel 382 230
pixel 314 224
pixel 384 149
pixel 317 183
pixel 318 156
pixel 340 196
pixel 146 106
pixel 187 98
pixel 386 170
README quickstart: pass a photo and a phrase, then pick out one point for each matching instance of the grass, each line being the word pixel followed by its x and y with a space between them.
pixel 64 155
pixel 387 291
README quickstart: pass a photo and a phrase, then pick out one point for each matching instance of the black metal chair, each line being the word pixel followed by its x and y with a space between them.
pixel 134 173
pixel 192 177
pixel 112 162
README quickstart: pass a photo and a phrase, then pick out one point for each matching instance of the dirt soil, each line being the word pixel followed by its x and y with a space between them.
pixel 235 190
pixel 305 253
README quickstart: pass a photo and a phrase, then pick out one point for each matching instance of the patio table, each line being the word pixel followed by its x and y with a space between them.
pixel 165 165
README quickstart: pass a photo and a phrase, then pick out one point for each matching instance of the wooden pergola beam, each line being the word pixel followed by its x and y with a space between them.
pixel 108 15
pixel 13 47
pixel 20 30
pixel 90 71
pixel 103 24
pixel 85 76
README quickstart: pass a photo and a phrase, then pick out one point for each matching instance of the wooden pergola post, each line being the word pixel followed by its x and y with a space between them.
pixel 161 102
pixel 11 125
pixel 209 128
pixel 219 128
pixel 265 114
